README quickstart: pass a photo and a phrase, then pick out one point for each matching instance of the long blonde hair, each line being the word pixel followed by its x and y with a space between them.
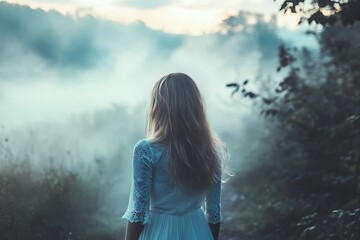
pixel 176 119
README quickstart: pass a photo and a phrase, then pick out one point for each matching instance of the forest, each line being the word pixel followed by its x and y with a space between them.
pixel 304 185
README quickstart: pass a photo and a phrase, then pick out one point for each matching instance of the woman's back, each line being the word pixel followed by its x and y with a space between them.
pixel 152 181
pixel 153 195
pixel 165 198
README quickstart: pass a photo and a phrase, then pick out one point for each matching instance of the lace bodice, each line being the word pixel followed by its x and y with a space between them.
pixel 150 189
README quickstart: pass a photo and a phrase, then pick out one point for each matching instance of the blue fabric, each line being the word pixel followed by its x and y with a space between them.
pixel 190 226
pixel 156 204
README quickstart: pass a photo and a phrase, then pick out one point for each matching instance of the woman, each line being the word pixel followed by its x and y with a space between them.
pixel 176 185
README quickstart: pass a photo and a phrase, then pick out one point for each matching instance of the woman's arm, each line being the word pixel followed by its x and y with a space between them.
pixel 138 210
pixel 213 206
pixel 133 231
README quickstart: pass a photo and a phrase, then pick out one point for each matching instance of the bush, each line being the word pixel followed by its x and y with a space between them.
pixel 307 186
pixel 52 204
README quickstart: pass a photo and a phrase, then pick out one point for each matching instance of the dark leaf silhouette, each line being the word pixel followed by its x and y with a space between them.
pixel 270 112
pixel 346 12
pixel 285 57
pixel 250 95
pixel 269 100
pixel 236 87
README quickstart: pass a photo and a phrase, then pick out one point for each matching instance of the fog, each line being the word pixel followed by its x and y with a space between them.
pixel 73 91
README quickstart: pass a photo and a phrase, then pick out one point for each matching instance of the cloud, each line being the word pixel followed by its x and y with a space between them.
pixel 143 4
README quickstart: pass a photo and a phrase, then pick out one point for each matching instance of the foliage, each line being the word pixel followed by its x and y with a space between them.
pixel 324 12
pixel 54 204
pixel 311 181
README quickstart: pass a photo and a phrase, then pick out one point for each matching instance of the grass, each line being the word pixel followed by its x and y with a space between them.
pixel 53 203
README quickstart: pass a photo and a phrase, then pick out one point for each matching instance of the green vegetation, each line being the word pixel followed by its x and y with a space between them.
pixel 324 12
pixel 52 204
pixel 308 185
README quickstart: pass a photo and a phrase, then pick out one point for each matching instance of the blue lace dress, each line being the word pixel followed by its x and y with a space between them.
pixel 168 213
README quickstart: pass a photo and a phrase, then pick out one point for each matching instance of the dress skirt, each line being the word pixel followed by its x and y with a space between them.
pixel 190 226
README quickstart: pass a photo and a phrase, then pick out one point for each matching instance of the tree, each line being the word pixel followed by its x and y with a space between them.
pixel 316 111
pixel 324 12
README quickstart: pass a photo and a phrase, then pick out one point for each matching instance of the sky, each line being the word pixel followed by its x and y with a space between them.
pixel 193 17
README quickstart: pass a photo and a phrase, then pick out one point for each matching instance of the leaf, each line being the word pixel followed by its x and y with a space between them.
pixel 293 9
pixel 232 85
pixel 318 17
pixel 284 6
pixel 236 87
pixel 310 32
pixel 250 95
pixel 323 3
pixel 270 112
pixel 269 100
pixel 279 90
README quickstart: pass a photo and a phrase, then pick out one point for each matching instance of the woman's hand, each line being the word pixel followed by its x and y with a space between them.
pixel 133 230
pixel 215 229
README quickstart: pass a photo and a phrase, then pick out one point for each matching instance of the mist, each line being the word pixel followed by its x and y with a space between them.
pixel 73 90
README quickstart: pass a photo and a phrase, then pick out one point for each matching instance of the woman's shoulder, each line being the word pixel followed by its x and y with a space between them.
pixel 148 147
pixel 146 142
pixel 142 143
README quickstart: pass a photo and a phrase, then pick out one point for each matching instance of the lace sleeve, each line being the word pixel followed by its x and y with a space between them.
pixel 212 202
pixel 213 197
pixel 139 200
